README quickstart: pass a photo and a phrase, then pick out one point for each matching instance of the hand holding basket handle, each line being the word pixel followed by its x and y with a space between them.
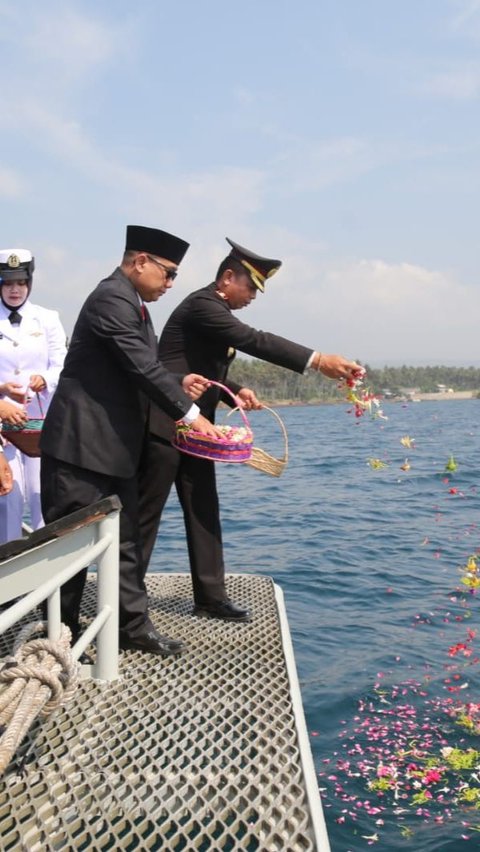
pixel 37 383
pixel 249 400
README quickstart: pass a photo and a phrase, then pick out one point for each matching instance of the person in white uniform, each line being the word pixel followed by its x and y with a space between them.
pixel 32 351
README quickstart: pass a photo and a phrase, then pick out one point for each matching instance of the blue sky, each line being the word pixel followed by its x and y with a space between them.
pixel 340 136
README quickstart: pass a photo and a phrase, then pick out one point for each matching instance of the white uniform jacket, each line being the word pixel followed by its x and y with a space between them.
pixel 35 347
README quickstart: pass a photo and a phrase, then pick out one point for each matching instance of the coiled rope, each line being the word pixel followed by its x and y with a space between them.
pixel 38 678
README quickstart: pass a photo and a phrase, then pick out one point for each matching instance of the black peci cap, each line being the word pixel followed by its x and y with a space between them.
pixel 153 241
pixel 259 268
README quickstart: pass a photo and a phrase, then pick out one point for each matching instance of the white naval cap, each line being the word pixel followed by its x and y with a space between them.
pixel 16 264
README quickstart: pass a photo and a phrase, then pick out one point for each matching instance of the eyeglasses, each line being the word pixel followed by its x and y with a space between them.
pixel 169 272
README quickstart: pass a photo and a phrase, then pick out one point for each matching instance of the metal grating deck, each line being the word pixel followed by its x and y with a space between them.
pixel 206 751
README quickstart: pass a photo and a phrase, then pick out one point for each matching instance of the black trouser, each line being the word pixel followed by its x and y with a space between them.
pixel 161 466
pixel 66 488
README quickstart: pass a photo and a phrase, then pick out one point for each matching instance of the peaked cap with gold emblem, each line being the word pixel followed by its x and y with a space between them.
pixel 16 264
pixel 259 268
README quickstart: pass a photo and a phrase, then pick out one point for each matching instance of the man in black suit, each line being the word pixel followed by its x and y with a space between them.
pixel 202 334
pixel 95 429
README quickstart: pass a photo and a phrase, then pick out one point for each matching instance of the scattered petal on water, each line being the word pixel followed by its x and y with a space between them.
pixel 407 744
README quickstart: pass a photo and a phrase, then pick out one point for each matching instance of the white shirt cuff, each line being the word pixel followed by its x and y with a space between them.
pixel 308 365
pixel 191 414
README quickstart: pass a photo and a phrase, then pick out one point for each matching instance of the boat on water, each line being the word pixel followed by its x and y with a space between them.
pixel 204 751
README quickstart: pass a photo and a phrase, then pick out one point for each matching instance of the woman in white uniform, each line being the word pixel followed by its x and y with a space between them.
pixel 32 351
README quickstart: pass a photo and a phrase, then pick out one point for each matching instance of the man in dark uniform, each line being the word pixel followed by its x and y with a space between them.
pixel 95 428
pixel 202 333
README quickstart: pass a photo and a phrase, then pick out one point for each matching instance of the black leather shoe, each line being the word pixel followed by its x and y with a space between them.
pixel 153 643
pixel 226 610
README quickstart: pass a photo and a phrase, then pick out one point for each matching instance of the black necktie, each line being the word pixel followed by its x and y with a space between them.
pixel 15 318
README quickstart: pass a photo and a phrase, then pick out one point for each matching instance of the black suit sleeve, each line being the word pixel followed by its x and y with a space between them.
pixel 212 319
pixel 116 321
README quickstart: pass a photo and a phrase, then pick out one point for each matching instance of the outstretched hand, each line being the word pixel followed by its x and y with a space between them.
pixel 338 367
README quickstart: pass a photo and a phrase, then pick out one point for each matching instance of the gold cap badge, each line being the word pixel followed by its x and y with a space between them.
pixel 13 261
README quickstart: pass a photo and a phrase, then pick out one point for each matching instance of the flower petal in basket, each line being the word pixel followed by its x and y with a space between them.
pixel 25 438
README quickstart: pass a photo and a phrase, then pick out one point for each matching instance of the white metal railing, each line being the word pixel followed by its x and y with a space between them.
pixel 309 773
pixel 37 572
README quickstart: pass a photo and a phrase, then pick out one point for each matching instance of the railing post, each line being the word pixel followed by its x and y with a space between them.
pixel 54 616
pixel 108 594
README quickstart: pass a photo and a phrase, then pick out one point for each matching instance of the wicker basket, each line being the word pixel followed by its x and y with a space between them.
pixel 25 438
pixel 262 460
pixel 215 449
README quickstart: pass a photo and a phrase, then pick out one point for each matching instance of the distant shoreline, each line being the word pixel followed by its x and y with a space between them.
pixel 442 396
pixel 418 397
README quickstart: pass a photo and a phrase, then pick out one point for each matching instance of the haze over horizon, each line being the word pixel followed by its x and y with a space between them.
pixel 341 137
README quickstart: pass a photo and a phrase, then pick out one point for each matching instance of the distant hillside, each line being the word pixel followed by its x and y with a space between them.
pixel 275 383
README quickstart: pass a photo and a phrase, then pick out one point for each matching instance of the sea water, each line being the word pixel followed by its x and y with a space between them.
pixel 370 541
